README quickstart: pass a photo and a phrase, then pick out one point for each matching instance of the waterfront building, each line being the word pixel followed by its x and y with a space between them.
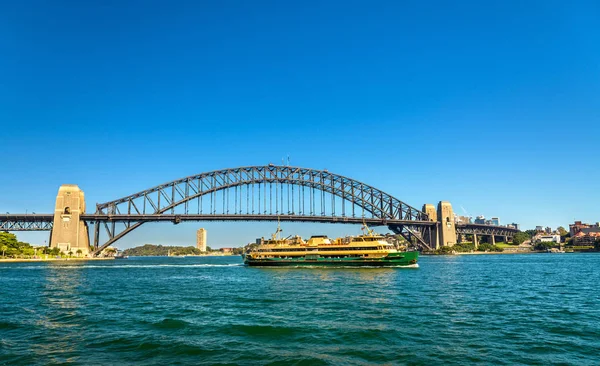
pixel 579 226
pixel 547 238
pixel 227 250
pixel 201 240
pixel 587 236
pixel 480 220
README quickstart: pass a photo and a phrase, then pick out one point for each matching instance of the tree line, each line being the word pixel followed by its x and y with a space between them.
pixel 10 247
pixel 164 250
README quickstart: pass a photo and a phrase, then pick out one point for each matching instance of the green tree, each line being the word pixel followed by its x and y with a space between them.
pixel 3 248
pixel 79 252
pixel 520 238
pixel 28 251
pixel 55 251
pixel 463 247
pixel 542 245
pixel 444 250
pixel 561 230
pixel 10 242
pixel 531 233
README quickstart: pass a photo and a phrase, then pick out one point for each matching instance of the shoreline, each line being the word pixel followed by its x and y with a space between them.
pixel 23 260
pixel 492 253
pixel 495 253
pixel 510 252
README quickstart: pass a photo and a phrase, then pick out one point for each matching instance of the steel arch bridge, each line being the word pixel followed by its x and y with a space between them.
pixel 264 193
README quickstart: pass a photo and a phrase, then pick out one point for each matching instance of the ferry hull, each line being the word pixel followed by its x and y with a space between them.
pixel 404 259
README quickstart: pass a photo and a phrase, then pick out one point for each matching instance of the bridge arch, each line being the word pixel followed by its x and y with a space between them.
pixel 343 193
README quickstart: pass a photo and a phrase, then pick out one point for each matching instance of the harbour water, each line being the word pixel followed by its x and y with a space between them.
pixel 500 309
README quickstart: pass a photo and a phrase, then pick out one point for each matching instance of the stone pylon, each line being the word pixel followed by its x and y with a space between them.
pixel 429 209
pixel 69 233
pixel 445 216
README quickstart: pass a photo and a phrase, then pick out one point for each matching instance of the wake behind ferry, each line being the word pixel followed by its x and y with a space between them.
pixel 367 250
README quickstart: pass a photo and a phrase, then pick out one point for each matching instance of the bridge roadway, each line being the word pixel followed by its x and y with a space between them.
pixel 40 222
pixel 481 229
pixel 44 222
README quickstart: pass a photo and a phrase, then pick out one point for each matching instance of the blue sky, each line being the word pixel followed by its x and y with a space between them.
pixel 493 106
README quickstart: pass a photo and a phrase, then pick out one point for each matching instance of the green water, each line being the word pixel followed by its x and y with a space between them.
pixel 502 309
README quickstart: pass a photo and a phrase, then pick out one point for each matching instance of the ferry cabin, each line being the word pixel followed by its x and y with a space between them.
pixel 322 247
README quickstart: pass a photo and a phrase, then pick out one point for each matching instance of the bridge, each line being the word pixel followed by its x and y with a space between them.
pixel 256 193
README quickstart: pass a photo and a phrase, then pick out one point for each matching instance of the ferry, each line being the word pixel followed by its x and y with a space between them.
pixel 366 250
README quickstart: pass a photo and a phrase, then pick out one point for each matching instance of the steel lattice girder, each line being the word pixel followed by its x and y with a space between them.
pixel 32 222
pixel 166 197
pixel 420 235
pixel 480 229
pixel 178 192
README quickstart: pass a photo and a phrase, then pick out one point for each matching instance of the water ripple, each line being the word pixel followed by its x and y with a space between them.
pixel 518 309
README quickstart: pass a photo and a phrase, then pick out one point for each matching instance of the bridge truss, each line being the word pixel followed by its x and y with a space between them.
pixel 261 193
pixel 481 229
pixel 27 222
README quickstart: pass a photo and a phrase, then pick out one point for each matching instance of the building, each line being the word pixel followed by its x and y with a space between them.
pixel 201 239
pixel 514 225
pixel 539 229
pixel 579 226
pixel 494 221
pixel 462 220
pixel 548 230
pixel 587 236
pixel 227 250
pixel 581 238
pixel 480 220
pixel 547 238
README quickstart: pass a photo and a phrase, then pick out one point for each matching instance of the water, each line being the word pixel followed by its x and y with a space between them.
pixel 500 309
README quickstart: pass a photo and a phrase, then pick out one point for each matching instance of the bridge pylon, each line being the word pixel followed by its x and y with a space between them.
pixel 447 227
pixel 429 209
pixel 69 232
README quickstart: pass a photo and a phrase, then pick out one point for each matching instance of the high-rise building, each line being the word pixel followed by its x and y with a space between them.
pixel 201 239
pixel 495 221
pixel 514 225
pixel 480 220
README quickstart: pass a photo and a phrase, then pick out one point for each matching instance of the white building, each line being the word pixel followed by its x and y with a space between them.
pixel 548 238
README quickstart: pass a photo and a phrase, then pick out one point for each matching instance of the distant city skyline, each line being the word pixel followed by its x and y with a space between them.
pixel 492 107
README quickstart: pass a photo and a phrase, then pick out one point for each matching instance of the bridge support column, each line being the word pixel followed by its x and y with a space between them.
pixel 475 241
pixel 459 238
pixel 429 209
pixel 445 217
pixel 492 239
pixel 69 233
pixel 505 239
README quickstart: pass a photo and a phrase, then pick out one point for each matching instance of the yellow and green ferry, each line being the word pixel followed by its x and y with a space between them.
pixel 367 250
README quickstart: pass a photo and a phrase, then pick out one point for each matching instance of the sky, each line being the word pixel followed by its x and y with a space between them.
pixel 493 106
